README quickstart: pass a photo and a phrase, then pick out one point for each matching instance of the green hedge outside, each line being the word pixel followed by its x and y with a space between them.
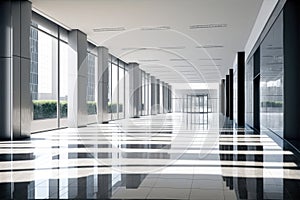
pixel 274 104
pixel 43 109
pixel 112 108
pixel 92 107
pixel 47 109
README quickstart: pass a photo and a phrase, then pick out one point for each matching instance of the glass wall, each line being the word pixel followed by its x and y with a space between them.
pixel 109 95
pixel 91 87
pixel 48 74
pixel 127 95
pixel 161 97
pixel 121 90
pixel 249 93
pixel 147 94
pixel 63 87
pixel 143 93
pixel 271 82
pixel 235 93
pixel 114 88
pixel 118 85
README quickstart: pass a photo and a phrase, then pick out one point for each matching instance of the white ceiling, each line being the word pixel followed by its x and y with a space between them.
pixel 175 40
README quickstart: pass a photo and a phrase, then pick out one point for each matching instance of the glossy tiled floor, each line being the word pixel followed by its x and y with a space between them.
pixel 169 156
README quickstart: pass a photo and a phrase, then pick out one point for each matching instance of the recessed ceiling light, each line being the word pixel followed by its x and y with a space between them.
pixel 108 29
pixel 175 47
pixel 274 48
pixel 178 59
pixel 209 46
pixel 149 60
pixel 210 59
pixel 184 71
pixel 134 48
pixel 207 26
pixel 155 28
pixel 209 65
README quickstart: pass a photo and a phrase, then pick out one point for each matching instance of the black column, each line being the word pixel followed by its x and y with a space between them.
pixel 241 89
pixel 227 96
pixel 256 90
pixel 231 94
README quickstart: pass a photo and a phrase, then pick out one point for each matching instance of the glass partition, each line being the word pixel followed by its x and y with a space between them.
pixel 143 93
pixel 121 90
pixel 127 95
pixel 48 74
pixel 114 91
pixel 91 88
pixel 146 94
pixel 44 80
pixel 109 95
pixel 63 86
pixel 271 82
pixel 249 93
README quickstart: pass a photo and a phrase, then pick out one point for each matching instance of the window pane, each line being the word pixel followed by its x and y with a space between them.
pixel 249 93
pixel 114 91
pixel 271 79
pixel 127 111
pixel 160 98
pixel 91 89
pixel 121 92
pixel 43 80
pixel 109 92
pixel 63 77
pixel 143 94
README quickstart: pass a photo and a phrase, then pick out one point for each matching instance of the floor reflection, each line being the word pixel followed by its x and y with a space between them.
pixel 157 157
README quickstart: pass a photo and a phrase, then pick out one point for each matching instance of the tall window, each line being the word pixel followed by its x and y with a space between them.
pixel 91 77
pixel 48 74
pixel 143 93
pixel 114 90
pixel 63 86
pixel 34 63
pixel 109 95
pixel 249 93
pixel 127 95
pixel 91 88
pixel 118 88
pixel 121 90
pixel 271 81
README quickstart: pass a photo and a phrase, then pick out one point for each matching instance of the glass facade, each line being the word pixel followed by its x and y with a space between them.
pixel 264 82
pixel 44 79
pixel 121 90
pixel 91 87
pixel 271 82
pixel 235 93
pixel 34 63
pixel 48 74
pixel 147 83
pixel 109 93
pixel 63 79
pixel 118 84
pixel 143 93
pixel 249 92
pixel 114 89
pixel 126 93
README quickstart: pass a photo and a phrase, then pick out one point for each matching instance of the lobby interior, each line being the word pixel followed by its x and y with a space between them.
pixel 149 99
